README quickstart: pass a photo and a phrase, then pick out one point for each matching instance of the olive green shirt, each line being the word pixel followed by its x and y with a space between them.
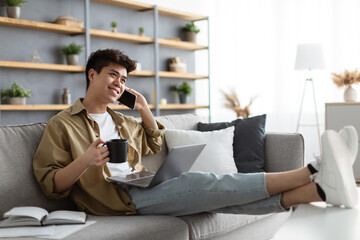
pixel 68 135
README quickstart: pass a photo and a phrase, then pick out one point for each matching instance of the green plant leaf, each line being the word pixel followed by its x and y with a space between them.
pixel 184 88
pixel 15 91
pixel 14 3
pixel 192 28
pixel 72 48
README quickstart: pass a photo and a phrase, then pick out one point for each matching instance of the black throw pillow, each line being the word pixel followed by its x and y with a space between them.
pixel 249 141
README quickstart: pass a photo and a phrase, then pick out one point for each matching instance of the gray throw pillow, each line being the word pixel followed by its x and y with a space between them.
pixel 248 144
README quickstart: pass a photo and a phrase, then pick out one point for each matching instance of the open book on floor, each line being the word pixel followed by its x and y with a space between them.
pixel 36 216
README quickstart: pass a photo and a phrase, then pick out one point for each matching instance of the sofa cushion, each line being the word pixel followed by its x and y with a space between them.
pixel 189 121
pixel 248 143
pixel 17 182
pixel 220 226
pixel 217 156
pixel 133 227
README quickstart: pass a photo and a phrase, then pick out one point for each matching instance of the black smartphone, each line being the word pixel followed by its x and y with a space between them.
pixel 128 99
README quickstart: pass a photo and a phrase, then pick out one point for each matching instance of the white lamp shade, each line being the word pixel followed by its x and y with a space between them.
pixel 309 56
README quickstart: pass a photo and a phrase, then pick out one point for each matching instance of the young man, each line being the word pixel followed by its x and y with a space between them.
pixel 71 161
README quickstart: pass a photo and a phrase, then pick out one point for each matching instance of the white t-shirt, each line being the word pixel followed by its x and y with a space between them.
pixel 109 131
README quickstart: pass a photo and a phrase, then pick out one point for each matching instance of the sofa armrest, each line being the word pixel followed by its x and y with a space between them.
pixel 283 152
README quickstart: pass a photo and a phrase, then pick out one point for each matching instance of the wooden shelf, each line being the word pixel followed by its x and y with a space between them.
pixel 59 107
pixel 127 4
pixel 42 66
pixel 120 36
pixel 41 26
pixel 142 73
pixel 180 14
pixel 180 44
pixel 28 107
pixel 48 107
pixel 162 10
pixel 139 39
pixel 181 106
pixel 72 68
pixel 164 74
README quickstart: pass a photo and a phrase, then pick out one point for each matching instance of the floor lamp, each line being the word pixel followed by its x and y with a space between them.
pixel 309 57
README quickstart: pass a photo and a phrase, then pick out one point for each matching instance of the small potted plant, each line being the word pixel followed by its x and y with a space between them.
pixel 183 90
pixel 72 52
pixel 13 8
pixel 16 94
pixel 141 31
pixel 190 32
pixel 113 26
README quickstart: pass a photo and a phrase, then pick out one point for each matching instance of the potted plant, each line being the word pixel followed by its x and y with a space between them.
pixel 190 32
pixel 13 8
pixel 141 31
pixel 347 79
pixel 113 26
pixel 16 94
pixel 72 52
pixel 183 90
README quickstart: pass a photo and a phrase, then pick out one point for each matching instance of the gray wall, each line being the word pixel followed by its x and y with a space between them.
pixel 18 44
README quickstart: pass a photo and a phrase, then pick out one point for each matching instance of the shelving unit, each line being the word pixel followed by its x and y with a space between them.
pixel 117 36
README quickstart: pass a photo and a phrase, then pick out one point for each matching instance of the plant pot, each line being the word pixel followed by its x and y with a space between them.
pixel 17 100
pixel 13 12
pixel 183 98
pixel 350 94
pixel 190 36
pixel 114 30
pixel 72 59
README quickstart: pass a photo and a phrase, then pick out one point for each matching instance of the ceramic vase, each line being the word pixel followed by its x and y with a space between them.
pixel 350 94
pixel 72 59
pixel 183 98
pixel 13 12
pixel 17 100
pixel 190 36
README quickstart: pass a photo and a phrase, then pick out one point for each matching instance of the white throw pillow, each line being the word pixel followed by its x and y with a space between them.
pixel 217 156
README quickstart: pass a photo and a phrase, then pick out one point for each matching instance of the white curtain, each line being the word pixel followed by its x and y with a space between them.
pixel 253 48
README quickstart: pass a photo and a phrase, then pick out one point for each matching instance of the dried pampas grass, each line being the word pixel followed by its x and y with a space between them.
pixel 232 102
pixel 346 78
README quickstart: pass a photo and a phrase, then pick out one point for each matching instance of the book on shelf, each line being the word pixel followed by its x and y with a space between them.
pixel 36 216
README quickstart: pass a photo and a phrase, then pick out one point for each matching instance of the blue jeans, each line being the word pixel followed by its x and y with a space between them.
pixel 196 192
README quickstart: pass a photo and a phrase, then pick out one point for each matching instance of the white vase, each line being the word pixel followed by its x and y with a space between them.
pixel 13 12
pixel 350 94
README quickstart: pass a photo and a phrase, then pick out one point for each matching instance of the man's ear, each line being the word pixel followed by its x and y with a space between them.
pixel 91 74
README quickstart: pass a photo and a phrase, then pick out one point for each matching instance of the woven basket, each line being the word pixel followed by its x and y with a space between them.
pixel 68 20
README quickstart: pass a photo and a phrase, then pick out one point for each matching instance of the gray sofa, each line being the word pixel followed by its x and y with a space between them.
pixel 19 188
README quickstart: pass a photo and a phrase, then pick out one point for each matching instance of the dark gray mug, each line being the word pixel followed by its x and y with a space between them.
pixel 118 149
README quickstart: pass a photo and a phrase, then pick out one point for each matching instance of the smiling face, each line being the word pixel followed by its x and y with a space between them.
pixel 108 85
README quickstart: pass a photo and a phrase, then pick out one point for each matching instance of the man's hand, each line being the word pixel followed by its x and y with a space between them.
pixel 141 102
pixel 95 155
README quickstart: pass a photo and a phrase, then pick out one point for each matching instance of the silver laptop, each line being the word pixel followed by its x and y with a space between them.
pixel 179 160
